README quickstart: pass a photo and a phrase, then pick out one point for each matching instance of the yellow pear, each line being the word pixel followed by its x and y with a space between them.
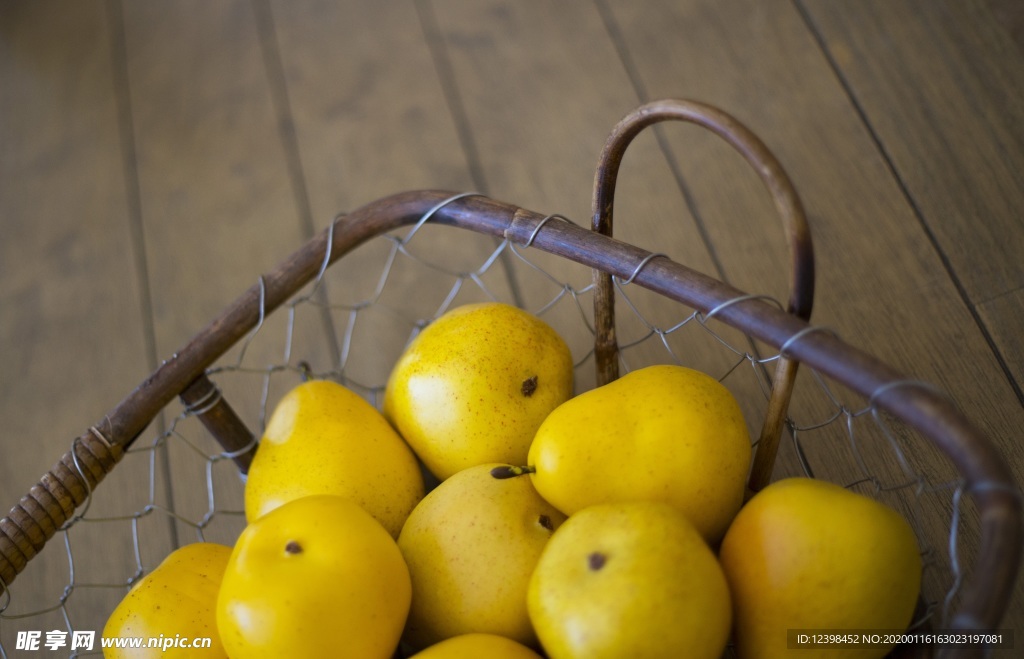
pixel 176 601
pixel 808 554
pixel 661 433
pixel 475 384
pixel 323 438
pixel 471 545
pixel 471 646
pixel 315 577
pixel 631 579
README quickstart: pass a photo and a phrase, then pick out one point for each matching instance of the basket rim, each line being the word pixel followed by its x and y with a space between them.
pixel 68 485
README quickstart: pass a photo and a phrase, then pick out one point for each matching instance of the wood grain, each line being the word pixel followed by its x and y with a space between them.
pixel 72 327
pixel 346 67
pixel 956 144
pixel 159 156
pixel 542 86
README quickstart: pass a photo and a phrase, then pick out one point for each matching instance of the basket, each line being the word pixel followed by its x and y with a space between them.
pixel 816 405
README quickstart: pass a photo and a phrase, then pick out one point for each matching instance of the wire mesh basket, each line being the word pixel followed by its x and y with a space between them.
pixel 842 415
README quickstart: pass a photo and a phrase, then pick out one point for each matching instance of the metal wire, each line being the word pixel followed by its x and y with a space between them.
pixel 823 425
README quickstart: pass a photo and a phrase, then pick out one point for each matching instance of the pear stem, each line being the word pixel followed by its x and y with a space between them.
pixel 509 471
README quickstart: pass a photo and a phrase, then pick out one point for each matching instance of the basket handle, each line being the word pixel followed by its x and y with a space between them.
pixel 788 204
pixel 51 503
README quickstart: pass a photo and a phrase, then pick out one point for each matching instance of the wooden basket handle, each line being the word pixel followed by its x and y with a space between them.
pixel 51 503
pixel 787 202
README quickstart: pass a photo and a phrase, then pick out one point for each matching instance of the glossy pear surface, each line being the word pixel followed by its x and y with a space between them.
pixel 809 554
pixel 467 646
pixel 177 599
pixel 661 433
pixel 315 577
pixel 323 438
pixel 633 580
pixel 471 546
pixel 475 384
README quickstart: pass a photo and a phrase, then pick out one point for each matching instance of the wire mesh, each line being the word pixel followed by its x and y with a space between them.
pixel 178 486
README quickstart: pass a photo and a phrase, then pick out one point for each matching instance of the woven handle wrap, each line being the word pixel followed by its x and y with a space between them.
pixel 52 502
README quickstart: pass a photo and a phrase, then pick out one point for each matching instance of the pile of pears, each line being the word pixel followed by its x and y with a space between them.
pixel 487 511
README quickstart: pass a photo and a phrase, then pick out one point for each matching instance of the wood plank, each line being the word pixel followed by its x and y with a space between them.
pixel 212 171
pixel 1002 317
pixel 217 205
pixel 370 121
pixel 72 329
pixel 366 102
pixel 542 87
pixel 939 86
pixel 880 285
pixel 1010 15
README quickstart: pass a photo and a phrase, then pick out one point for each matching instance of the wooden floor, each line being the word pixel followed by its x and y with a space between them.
pixel 156 157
